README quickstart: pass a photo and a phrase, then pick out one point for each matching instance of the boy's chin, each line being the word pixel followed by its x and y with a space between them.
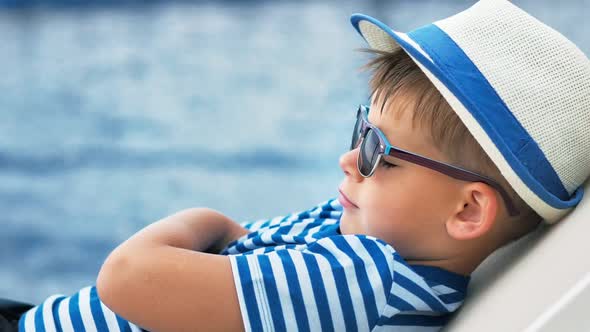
pixel 347 224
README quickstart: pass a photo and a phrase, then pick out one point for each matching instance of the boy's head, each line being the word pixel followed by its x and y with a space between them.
pixel 452 101
pixel 426 214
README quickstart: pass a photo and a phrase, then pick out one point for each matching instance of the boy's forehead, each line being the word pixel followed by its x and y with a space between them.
pixel 397 108
pixel 413 118
pixel 395 118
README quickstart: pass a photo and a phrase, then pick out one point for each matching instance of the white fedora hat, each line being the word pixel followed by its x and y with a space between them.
pixel 521 88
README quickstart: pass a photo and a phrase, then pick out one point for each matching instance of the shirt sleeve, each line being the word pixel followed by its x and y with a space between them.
pixel 81 312
pixel 326 209
pixel 338 283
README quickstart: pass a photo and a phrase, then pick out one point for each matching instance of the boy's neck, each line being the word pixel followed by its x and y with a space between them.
pixel 449 266
pixel 460 265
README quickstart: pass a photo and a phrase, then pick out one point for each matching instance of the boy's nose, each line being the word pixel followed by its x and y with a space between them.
pixel 348 164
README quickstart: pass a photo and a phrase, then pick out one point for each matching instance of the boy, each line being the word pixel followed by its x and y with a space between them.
pixel 476 130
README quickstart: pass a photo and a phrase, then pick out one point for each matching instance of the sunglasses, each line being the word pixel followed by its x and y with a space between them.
pixel 374 144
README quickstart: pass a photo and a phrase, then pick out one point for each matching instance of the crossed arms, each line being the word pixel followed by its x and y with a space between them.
pixel 165 277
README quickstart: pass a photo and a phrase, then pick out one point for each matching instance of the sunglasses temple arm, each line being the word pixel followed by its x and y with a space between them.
pixel 457 173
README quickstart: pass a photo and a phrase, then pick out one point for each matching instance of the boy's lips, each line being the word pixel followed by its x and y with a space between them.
pixel 345 201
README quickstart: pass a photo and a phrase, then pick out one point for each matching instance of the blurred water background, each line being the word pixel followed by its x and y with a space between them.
pixel 114 114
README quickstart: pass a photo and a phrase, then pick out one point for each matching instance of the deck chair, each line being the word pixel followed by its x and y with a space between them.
pixel 538 283
pixel 10 312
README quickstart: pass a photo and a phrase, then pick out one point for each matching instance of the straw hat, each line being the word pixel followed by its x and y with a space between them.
pixel 521 88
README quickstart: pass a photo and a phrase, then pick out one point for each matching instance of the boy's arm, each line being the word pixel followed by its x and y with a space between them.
pixel 159 280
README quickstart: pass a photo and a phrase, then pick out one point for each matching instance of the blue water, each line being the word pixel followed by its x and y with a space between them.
pixel 114 117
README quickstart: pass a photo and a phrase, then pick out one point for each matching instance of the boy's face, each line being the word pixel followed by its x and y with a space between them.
pixel 405 205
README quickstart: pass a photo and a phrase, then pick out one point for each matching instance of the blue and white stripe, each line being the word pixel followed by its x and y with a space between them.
pixel 298 273
pixel 83 312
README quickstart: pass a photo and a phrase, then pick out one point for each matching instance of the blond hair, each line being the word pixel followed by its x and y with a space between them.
pixel 394 74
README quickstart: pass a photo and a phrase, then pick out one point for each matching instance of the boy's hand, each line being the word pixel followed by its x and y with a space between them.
pixel 233 232
pixel 197 229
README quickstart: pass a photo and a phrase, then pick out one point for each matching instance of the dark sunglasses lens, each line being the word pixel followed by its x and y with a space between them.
pixel 369 153
pixel 356 133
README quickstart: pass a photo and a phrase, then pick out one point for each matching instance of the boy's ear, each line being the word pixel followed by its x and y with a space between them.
pixel 475 214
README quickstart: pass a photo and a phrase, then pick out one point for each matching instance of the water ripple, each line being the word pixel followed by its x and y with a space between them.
pixel 112 157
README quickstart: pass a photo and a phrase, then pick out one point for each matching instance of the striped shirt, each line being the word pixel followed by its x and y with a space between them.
pixel 82 312
pixel 298 273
